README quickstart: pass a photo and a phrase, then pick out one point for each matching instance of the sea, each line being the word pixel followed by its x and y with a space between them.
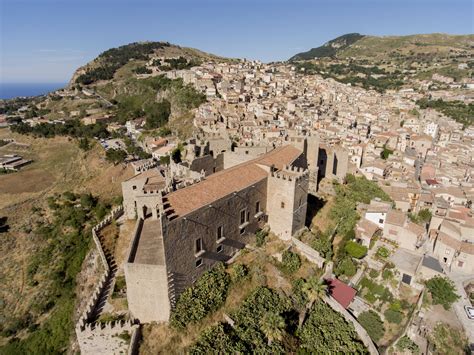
pixel 11 90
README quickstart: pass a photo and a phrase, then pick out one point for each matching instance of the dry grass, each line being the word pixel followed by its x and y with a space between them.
pixel 58 166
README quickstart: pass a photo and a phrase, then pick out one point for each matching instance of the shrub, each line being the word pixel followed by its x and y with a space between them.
pixel 346 267
pixel 239 272
pixel 442 291
pixel 355 250
pixel 207 294
pixel 260 237
pixel 393 316
pixel 405 343
pixel 372 323
pixel 326 331
pixel 383 252
pixel 387 274
pixel 373 273
pixel 291 262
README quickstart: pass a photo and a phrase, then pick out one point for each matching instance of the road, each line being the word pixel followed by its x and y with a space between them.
pixel 468 324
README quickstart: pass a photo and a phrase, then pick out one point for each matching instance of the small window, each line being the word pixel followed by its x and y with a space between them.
pixel 460 263
pixel 134 187
pixel 248 217
pixel 198 245
pixel 198 262
pixel 242 231
pixel 282 204
pixel 220 232
pixel 243 215
pixel 257 207
pixel 219 248
pixel 381 220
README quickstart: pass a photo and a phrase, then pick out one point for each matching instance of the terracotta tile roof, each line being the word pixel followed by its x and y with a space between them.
pixel 395 217
pixel 341 292
pixel 223 183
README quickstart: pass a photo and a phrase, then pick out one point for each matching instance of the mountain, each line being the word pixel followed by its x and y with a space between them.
pixel 383 47
pixel 109 64
pixel 329 49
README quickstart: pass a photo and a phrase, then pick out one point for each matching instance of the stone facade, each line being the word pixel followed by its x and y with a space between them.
pixel 182 233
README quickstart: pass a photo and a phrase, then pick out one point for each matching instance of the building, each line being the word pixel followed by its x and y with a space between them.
pixel 182 233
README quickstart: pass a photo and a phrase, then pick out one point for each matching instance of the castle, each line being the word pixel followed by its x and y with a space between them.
pixel 184 226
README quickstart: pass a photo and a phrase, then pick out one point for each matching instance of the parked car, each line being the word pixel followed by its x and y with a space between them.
pixel 469 312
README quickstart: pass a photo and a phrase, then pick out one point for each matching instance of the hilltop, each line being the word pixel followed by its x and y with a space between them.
pixel 329 49
pixel 375 47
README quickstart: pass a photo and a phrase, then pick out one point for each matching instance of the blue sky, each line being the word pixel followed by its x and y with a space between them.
pixel 46 40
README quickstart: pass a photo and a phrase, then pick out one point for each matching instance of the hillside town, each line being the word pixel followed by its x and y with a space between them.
pixel 268 141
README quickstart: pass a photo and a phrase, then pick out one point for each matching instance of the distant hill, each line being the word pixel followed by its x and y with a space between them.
pixel 115 61
pixel 329 49
pixel 362 46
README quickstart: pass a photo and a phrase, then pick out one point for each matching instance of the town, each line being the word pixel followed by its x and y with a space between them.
pixel 368 192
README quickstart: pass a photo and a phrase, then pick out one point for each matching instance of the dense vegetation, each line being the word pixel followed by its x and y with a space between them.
pixel 179 63
pixel 207 294
pixel 64 240
pixel 372 323
pixel 71 128
pixel 442 291
pixel 267 322
pixel 140 100
pixel 329 49
pixel 457 110
pixel 111 60
pixel 344 217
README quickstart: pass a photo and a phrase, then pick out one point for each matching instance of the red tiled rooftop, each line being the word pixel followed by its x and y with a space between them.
pixel 223 183
pixel 341 292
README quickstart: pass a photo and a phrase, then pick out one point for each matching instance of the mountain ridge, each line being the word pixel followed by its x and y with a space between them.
pixel 357 45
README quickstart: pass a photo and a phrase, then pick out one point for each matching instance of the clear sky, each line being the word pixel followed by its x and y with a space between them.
pixel 46 40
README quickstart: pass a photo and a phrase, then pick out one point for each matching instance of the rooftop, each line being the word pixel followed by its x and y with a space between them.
pixel 223 183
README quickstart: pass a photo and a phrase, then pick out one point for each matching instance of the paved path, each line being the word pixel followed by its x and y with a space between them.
pixel 468 324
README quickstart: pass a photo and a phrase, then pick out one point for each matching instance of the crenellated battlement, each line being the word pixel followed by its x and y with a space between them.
pixel 291 173
pixel 91 334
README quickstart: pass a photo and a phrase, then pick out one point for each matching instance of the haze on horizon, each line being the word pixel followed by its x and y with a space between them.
pixel 47 40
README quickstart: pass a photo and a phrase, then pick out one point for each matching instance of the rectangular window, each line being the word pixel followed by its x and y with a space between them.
pixel 282 204
pixel 243 215
pixel 198 245
pixel 198 262
pixel 380 220
pixel 219 248
pixel 220 232
pixel 257 207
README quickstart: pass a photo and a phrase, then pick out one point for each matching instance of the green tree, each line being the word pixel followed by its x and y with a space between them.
pixel 291 262
pixel 386 153
pixel 372 323
pixel 346 267
pixel 326 331
pixel 393 316
pixel 442 291
pixel 273 326
pixel 405 343
pixel 115 156
pixel 314 289
pixel 355 250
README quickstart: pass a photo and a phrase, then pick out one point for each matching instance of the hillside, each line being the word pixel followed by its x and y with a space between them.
pixel 108 64
pixel 374 47
pixel 329 49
